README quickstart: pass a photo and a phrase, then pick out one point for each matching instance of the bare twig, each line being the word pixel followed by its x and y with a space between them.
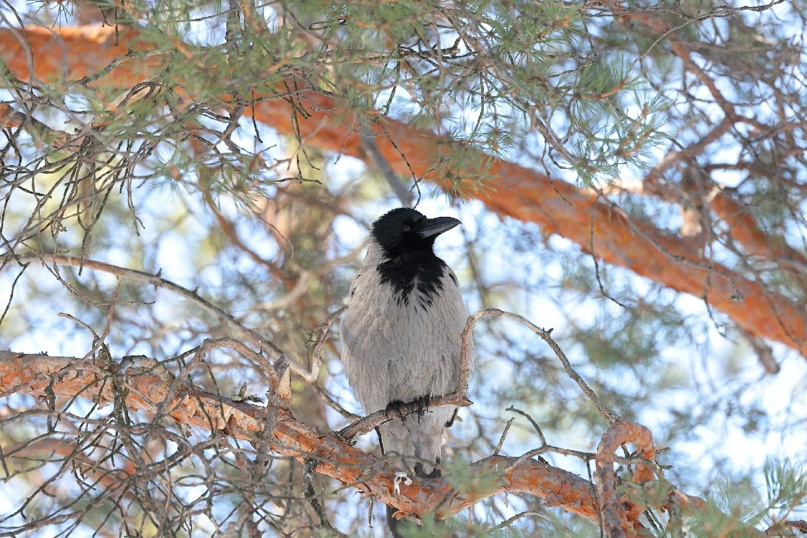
pixel 156 280
pixel 503 436
pixel 545 335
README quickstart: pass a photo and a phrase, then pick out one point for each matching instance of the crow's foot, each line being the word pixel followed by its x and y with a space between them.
pixel 419 405
pixel 395 407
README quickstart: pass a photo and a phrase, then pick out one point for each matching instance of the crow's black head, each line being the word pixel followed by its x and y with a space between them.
pixel 405 230
pixel 407 239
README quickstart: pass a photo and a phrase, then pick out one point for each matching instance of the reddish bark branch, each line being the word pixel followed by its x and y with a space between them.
pixel 67 376
pixel 742 225
pixel 524 194
pixel 618 518
pixel 41 376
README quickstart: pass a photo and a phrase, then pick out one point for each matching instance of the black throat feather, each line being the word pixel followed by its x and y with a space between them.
pixel 417 270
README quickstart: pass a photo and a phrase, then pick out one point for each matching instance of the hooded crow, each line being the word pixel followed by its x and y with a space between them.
pixel 401 335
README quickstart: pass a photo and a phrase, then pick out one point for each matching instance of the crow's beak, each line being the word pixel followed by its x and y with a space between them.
pixel 434 227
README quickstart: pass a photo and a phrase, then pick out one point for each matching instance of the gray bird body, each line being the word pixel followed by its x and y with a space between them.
pixel 401 338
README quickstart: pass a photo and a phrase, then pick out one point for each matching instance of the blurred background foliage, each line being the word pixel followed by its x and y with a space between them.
pixel 174 176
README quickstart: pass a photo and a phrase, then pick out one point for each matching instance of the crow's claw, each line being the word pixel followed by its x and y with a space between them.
pixel 395 406
pixel 421 404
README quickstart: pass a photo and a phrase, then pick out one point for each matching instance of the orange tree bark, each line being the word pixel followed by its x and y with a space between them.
pixel 159 396
pixel 595 225
pixel 37 375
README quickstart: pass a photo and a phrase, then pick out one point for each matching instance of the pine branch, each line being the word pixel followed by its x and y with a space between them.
pixel 556 206
pixel 34 374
